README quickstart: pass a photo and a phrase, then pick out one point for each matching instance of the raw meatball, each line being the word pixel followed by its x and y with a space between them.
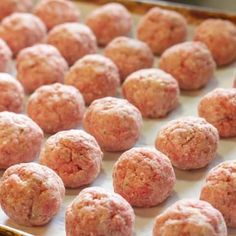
pixel 190 218
pixel 55 12
pixel 39 65
pixel 73 40
pixel 95 76
pixel 110 21
pixel 189 142
pixel 161 29
pixel 21 30
pixel 129 55
pixel 143 176
pixel 74 155
pixel 5 56
pixel 218 107
pixel 20 139
pixel 31 194
pixel 95 211
pixel 114 122
pixel 7 7
pixel 11 95
pixel 190 63
pixel 220 37
pixel 56 107
pixel 154 92
pixel 219 190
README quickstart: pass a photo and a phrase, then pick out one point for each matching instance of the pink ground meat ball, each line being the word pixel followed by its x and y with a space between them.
pixel 110 21
pixel 95 211
pixel 73 40
pixel 218 107
pixel 7 7
pixel 11 95
pixel 5 56
pixel 55 12
pixel 154 92
pixel 129 55
pixel 39 65
pixel 220 37
pixel 190 63
pixel 189 142
pixel 161 29
pixel 190 218
pixel 74 155
pixel 26 28
pixel 143 176
pixel 31 194
pixel 95 76
pixel 114 122
pixel 56 107
pixel 20 139
pixel 220 190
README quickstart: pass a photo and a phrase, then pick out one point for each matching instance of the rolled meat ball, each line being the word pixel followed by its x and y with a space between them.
pixel 219 190
pixel 189 142
pixel 31 194
pixel 11 95
pixel 129 55
pixel 154 92
pixel 21 30
pixel 220 37
pixel 190 63
pixel 161 29
pixel 20 139
pixel 218 107
pixel 109 21
pixel 143 176
pixel 7 7
pixel 39 65
pixel 56 107
pixel 85 164
pixel 56 12
pixel 95 76
pixel 73 40
pixel 190 217
pixel 96 211
pixel 5 56
pixel 114 122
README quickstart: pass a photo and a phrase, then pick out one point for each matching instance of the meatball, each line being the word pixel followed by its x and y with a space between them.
pixel 56 107
pixel 129 55
pixel 190 217
pixel 114 122
pixel 21 30
pixel 39 65
pixel 190 63
pixel 31 194
pixel 220 37
pixel 5 56
pixel 96 211
pixel 143 176
pixel 56 12
pixel 11 95
pixel 219 190
pixel 20 139
pixel 161 29
pixel 109 21
pixel 73 40
pixel 74 155
pixel 154 92
pixel 189 142
pixel 95 76
pixel 218 107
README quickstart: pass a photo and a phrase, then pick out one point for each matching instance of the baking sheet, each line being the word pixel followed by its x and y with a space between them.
pixel 188 183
